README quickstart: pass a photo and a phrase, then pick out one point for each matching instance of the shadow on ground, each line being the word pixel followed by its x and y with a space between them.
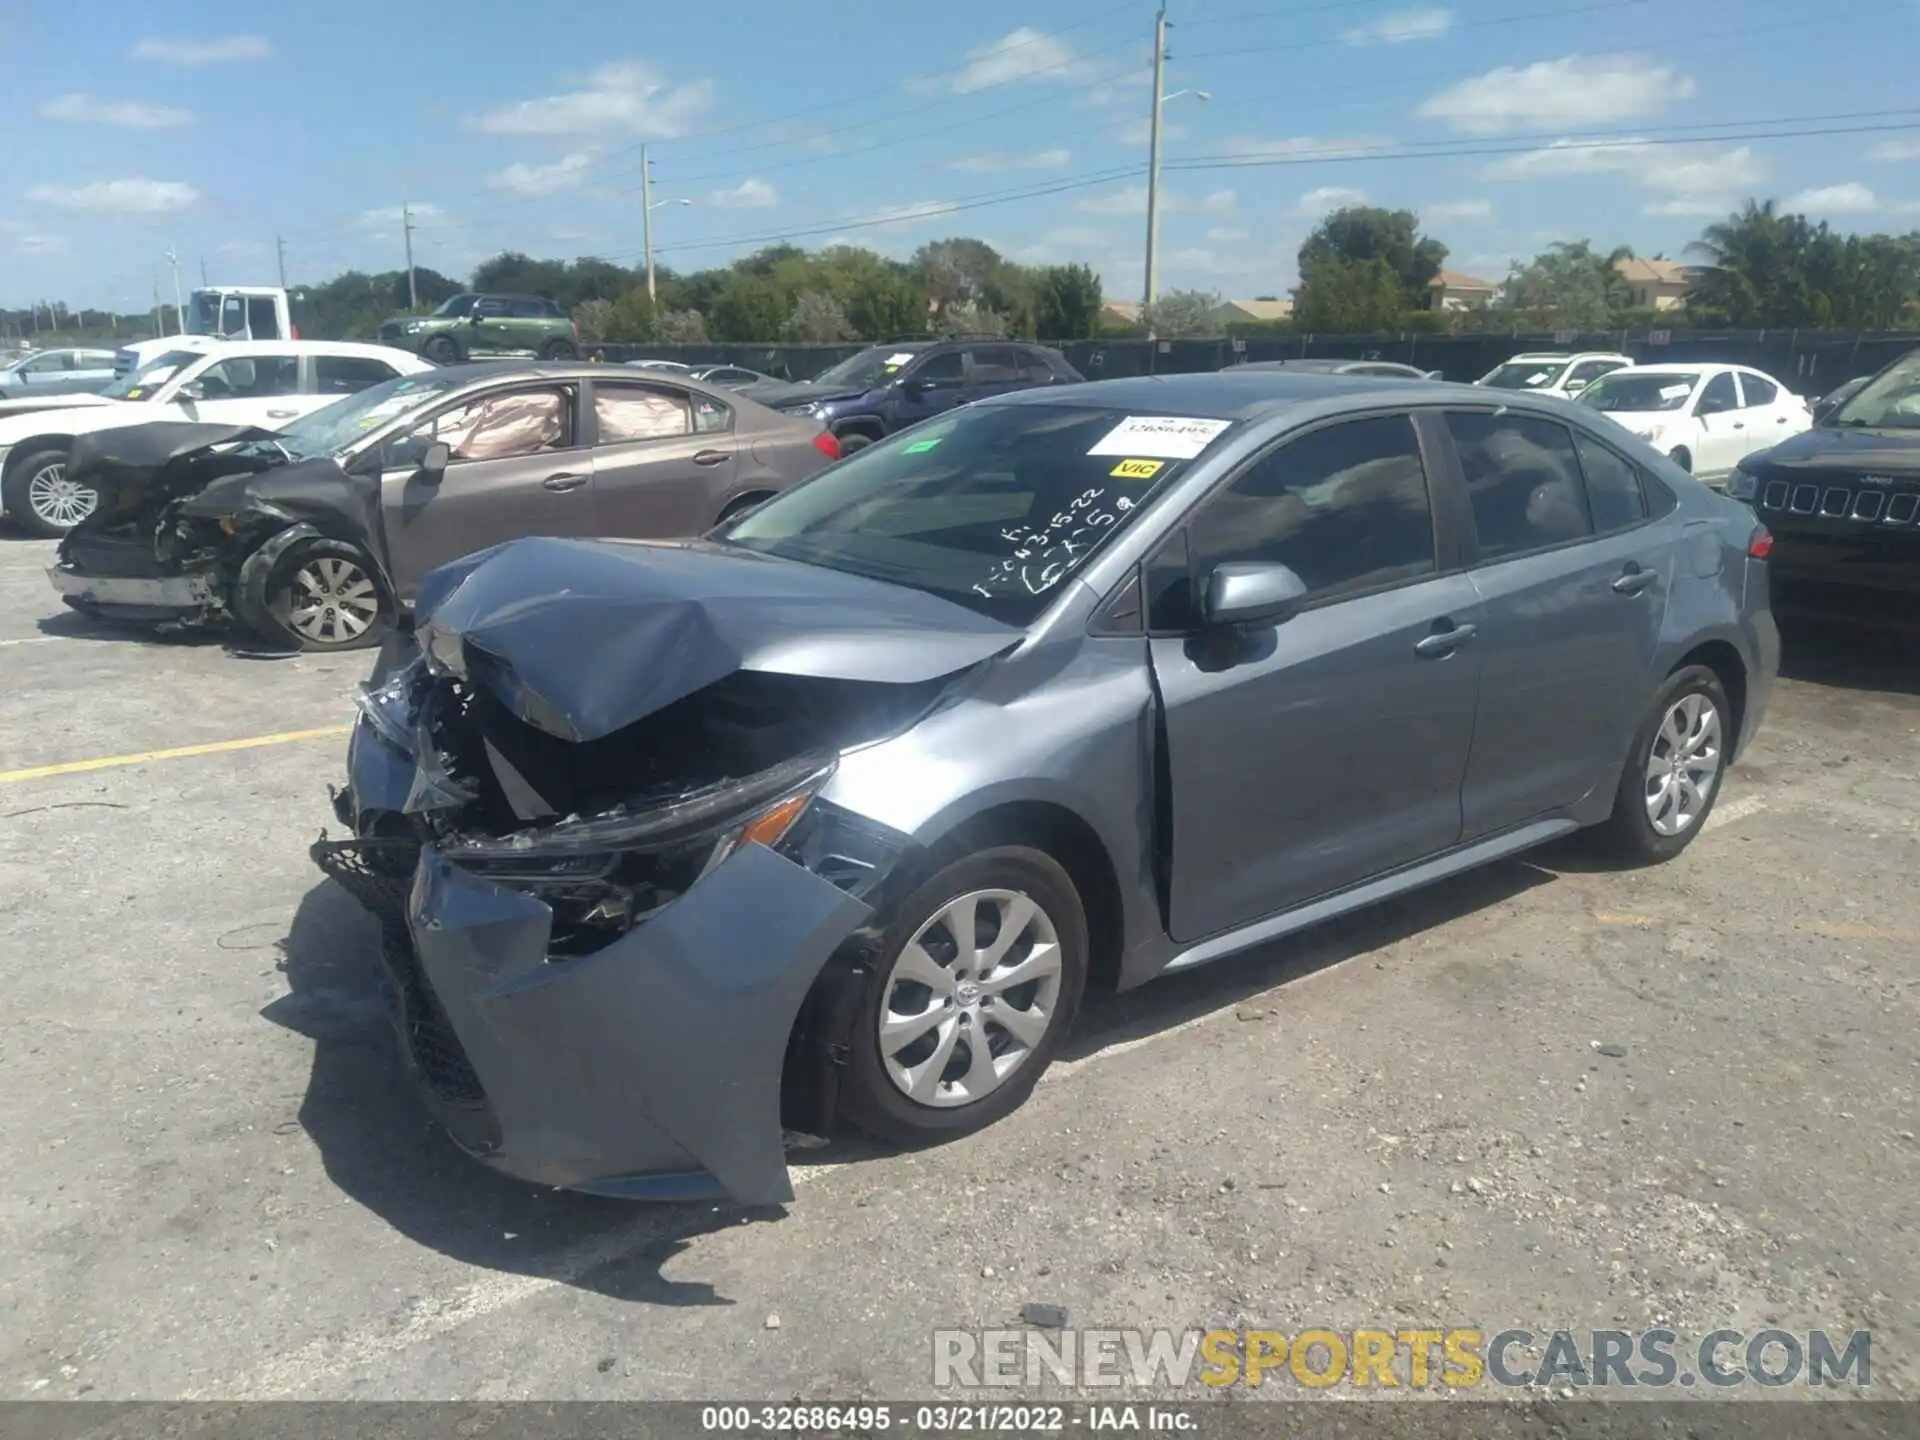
pixel 1850 657
pixel 378 1145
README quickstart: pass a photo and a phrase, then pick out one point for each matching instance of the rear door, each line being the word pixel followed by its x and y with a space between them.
pixel 1328 749
pixel 1772 414
pixel 257 389
pixel 1573 583
pixel 517 469
pixel 490 328
pixel 992 370
pixel 665 458
pixel 1723 428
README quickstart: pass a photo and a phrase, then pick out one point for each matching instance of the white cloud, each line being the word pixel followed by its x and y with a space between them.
pixel 1327 199
pixel 911 214
pixel 1401 25
pixel 119 197
pixel 989 164
pixel 1132 200
pixel 1288 147
pixel 1574 90
pixel 1225 236
pixel 569 172
pixel 1457 210
pixel 747 195
pixel 225 51
pixel 1219 202
pixel 241 250
pixel 1849 198
pixel 1128 200
pixel 1139 132
pixel 384 222
pixel 1686 180
pixel 630 95
pixel 1895 150
pixel 1022 54
pixel 127 114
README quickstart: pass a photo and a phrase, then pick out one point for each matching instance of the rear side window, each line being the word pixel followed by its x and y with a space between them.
pixel 532 309
pixel 348 374
pixel 1034 369
pixel 1345 507
pixel 1613 487
pixel 1523 479
pixel 625 413
pixel 995 366
pixel 1758 391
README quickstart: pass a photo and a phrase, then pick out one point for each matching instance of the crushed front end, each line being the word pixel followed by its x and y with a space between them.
pixel 610 959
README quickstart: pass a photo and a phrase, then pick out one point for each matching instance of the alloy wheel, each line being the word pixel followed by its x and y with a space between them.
pixel 332 601
pixel 970 998
pixel 57 500
pixel 1683 764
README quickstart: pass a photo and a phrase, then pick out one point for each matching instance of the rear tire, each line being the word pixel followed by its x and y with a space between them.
pixel 441 350
pixel 742 502
pixel 854 440
pixel 325 597
pixel 39 497
pixel 559 350
pixel 965 1000
pixel 1674 771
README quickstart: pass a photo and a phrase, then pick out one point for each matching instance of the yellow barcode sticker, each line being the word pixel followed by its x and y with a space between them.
pixel 1138 469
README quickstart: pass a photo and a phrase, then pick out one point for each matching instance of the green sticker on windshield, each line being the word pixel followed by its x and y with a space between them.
pixel 920 447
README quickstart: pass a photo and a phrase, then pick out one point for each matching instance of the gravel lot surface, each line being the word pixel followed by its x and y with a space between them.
pixel 1546 1095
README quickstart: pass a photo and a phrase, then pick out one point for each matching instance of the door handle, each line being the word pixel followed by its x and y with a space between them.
pixel 1633 581
pixel 281 414
pixel 1442 642
pixel 565 482
pixel 711 457
pixel 1739 424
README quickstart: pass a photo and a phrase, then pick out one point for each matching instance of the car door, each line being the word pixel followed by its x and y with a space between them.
pixel 531 324
pixel 930 387
pixel 1722 438
pixel 516 469
pixel 1570 618
pixel 664 459
pixel 45 373
pixel 253 389
pixel 1770 412
pixel 992 370
pixel 1312 755
pixel 490 328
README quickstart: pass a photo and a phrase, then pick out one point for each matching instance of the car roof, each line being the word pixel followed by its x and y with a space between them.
pixel 475 371
pixel 1243 393
pixel 241 349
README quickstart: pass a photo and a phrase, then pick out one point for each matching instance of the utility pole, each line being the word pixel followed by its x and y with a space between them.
pixel 179 310
pixel 280 248
pixel 406 229
pixel 646 217
pixel 203 271
pixel 1153 163
pixel 157 331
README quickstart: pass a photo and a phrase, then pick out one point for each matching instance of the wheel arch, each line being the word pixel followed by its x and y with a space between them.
pixel 32 445
pixel 1725 661
pixel 871 426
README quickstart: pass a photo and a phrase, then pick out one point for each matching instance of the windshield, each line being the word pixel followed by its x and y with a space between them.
pixel 1524 374
pixel 1889 401
pixel 457 305
pixel 142 382
pixel 993 507
pixel 336 428
pixel 1643 390
pixel 867 369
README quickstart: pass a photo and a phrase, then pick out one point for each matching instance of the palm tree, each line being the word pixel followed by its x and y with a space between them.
pixel 1756 267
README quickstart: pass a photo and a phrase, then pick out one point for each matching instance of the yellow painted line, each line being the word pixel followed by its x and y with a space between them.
pixel 182 752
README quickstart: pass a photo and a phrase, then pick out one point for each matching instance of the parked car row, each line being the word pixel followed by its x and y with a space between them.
pixel 56 372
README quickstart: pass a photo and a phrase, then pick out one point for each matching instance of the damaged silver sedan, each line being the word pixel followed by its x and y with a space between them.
pixel 681 850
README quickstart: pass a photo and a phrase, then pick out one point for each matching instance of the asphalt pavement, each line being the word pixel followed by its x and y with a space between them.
pixel 1546 1095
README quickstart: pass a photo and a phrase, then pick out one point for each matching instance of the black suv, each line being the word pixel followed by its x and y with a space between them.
pixel 868 396
pixel 1843 502
pixel 468 326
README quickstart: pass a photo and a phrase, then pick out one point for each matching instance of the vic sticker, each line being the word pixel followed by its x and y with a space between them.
pixel 1137 469
pixel 1166 437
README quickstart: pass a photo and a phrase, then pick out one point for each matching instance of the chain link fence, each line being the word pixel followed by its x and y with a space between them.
pixel 1810 362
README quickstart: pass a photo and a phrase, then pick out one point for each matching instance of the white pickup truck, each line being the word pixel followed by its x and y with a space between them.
pixel 216 313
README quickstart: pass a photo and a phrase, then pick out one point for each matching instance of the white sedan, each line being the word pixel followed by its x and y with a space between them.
pixel 1706 417
pixel 268 383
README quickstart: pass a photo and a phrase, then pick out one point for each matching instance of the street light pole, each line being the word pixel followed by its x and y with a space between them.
pixel 179 311
pixel 406 229
pixel 1153 166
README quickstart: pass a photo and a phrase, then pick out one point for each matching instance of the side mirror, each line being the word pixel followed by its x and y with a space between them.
pixel 473 318
pixel 1244 595
pixel 1574 387
pixel 916 388
pixel 434 461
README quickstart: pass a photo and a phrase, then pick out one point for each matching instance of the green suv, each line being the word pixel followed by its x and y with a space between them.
pixel 469 326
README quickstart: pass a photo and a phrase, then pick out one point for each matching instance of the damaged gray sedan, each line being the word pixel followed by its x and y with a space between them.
pixel 683 849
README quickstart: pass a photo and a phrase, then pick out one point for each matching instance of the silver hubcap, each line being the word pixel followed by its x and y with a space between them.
pixel 58 500
pixel 971 996
pixel 1684 764
pixel 333 601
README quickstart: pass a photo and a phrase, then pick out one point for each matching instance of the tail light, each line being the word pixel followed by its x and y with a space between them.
pixel 1760 543
pixel 825 443
pixel 295 329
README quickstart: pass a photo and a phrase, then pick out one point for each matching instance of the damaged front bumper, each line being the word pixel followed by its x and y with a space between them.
pixel 157 598
pixel 650 1067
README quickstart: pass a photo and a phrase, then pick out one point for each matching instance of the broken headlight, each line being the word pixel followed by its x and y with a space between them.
pixel 392 707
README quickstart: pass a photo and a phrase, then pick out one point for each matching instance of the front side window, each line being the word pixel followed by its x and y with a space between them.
pixel 490 308
pixel 1525 374
pixel 48 364
pixel 456 306
pixel 626 413
pixel 1587 371
pixel 1613 487
pixel 263 319
pixel 1344 507
pixel 994 507
pixel 255 377
pixel 1719 396
pixel 941 371
pixel 506 425
pixel 1633 392
pixel 1523 480
pixel 867 369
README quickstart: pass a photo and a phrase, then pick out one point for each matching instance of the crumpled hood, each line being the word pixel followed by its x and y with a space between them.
pixel 581 638
pixel 791 395
pixel 1826 447
pixel 127 463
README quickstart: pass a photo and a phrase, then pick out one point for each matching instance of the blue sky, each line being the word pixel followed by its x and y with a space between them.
pixel 211 126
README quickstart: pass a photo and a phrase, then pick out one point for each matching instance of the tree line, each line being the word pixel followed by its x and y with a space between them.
pixel 1363 270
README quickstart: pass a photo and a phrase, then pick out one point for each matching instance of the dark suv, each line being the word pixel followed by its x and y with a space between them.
pixel 469 326
pixel 1843 503
pixel 868 396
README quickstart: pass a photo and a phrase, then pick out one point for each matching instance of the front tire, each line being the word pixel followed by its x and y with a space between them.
pixel 40 498
pixel 1674 771
pixel 326 597
pixel 957 1028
